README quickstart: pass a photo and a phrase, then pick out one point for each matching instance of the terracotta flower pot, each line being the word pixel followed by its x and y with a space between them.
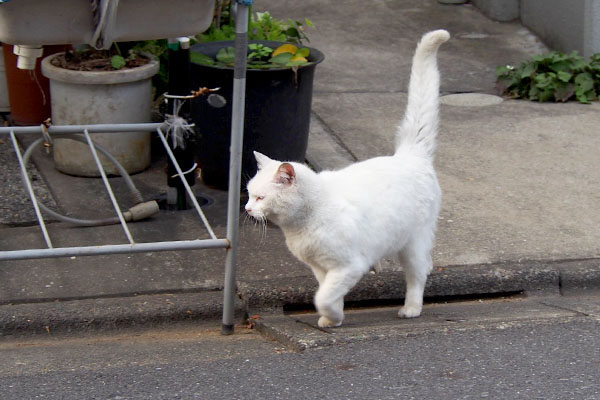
pixel 28 91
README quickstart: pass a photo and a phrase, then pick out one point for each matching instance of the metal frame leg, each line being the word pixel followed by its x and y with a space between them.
pixel 235 165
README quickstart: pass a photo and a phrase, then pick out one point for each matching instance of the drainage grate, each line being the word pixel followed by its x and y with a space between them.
pixel 379 303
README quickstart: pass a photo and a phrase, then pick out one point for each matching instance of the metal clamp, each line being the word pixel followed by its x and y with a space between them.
pixel 46 135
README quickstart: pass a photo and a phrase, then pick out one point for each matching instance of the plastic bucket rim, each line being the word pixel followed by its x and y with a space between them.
pixel 316 53
pixel 128 75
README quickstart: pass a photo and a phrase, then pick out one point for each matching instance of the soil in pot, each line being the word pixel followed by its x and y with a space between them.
pixel 96 60
pixel 276 121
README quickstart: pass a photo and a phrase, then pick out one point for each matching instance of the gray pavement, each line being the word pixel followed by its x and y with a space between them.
pixel 544 348
pixel 520 182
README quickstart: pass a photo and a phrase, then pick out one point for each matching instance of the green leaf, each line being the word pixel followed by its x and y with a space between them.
pixel 564 76
pixel 281 59
pixel 528 70
pixel 543 81
pixel 200 58
pixel 582 98
pixel 560 66
pixel 118 62
pixel 578 65
pixel 303 52
pixel 292 32
pixel 226 55
pixel 584 81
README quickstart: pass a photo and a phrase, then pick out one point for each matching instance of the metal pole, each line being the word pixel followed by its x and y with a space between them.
pixel 97 128
pixel 111 194
pixel 109 249
pixel 235 162
pixel 29 187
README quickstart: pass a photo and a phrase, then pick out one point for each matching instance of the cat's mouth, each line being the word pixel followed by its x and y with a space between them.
pixel 256 215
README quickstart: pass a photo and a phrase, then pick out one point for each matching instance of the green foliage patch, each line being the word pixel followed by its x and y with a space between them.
pixel 261 26
pixel 554 76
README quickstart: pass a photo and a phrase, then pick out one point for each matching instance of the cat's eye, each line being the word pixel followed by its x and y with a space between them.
pixel 258 198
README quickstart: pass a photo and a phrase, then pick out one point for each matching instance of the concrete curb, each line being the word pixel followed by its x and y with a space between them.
pixel 529 277
pixel 106 314
pixel 275 295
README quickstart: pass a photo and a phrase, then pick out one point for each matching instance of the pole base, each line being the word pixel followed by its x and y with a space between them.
pixel 227 329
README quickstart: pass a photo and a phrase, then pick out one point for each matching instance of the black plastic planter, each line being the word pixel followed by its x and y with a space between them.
pixel 276 120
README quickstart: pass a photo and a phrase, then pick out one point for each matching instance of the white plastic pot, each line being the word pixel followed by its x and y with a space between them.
pixel 107 97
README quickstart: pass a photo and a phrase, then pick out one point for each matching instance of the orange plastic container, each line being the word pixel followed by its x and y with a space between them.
pixel 28 91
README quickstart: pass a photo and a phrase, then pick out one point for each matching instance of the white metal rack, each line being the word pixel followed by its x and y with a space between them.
pixel 230 242
pixel 132 247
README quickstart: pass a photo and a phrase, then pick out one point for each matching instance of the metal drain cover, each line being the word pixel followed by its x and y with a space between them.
pixel 470 100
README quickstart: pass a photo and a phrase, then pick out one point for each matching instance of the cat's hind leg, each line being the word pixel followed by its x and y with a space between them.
pixel 329 299
pixel 319 273
pixel 416 261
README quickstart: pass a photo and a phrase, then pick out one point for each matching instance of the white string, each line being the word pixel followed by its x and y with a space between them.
pixel 179 128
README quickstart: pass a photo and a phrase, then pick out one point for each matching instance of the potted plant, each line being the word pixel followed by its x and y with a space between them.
pixel 89 86
pixel 279 83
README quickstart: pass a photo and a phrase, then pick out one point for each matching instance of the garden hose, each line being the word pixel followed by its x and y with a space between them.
pixel 139 211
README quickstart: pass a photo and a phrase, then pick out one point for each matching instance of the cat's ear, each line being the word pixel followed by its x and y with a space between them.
pixel 286 174
pixel 261 159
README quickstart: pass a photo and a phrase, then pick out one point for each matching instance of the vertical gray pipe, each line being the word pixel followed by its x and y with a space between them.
pixel 235 164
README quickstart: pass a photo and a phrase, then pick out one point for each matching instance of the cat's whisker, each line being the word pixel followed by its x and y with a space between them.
pixel 258 223
pixel 247 218
pixel 263 222
pixel 250 220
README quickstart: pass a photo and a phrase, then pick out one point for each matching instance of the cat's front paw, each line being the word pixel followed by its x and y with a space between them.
pixel 325 322
pixel 409 312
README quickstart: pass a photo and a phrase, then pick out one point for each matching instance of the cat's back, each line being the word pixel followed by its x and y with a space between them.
pixel 380 175
pixel 383 192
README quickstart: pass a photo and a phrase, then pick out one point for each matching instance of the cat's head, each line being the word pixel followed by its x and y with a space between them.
pixel 273 193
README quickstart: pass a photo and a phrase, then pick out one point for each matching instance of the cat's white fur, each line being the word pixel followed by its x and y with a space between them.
pixel 342 222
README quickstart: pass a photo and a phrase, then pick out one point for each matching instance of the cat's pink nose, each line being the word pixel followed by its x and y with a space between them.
pixel 248 209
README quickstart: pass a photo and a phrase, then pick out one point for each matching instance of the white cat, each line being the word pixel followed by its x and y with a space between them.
pixel 342 222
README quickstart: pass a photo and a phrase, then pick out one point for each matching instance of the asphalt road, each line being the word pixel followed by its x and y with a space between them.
pixel 501 356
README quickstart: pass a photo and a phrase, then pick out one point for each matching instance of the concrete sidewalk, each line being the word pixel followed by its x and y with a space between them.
pixel 520 181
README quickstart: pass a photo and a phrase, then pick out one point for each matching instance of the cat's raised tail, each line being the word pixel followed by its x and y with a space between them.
pixel 418 129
